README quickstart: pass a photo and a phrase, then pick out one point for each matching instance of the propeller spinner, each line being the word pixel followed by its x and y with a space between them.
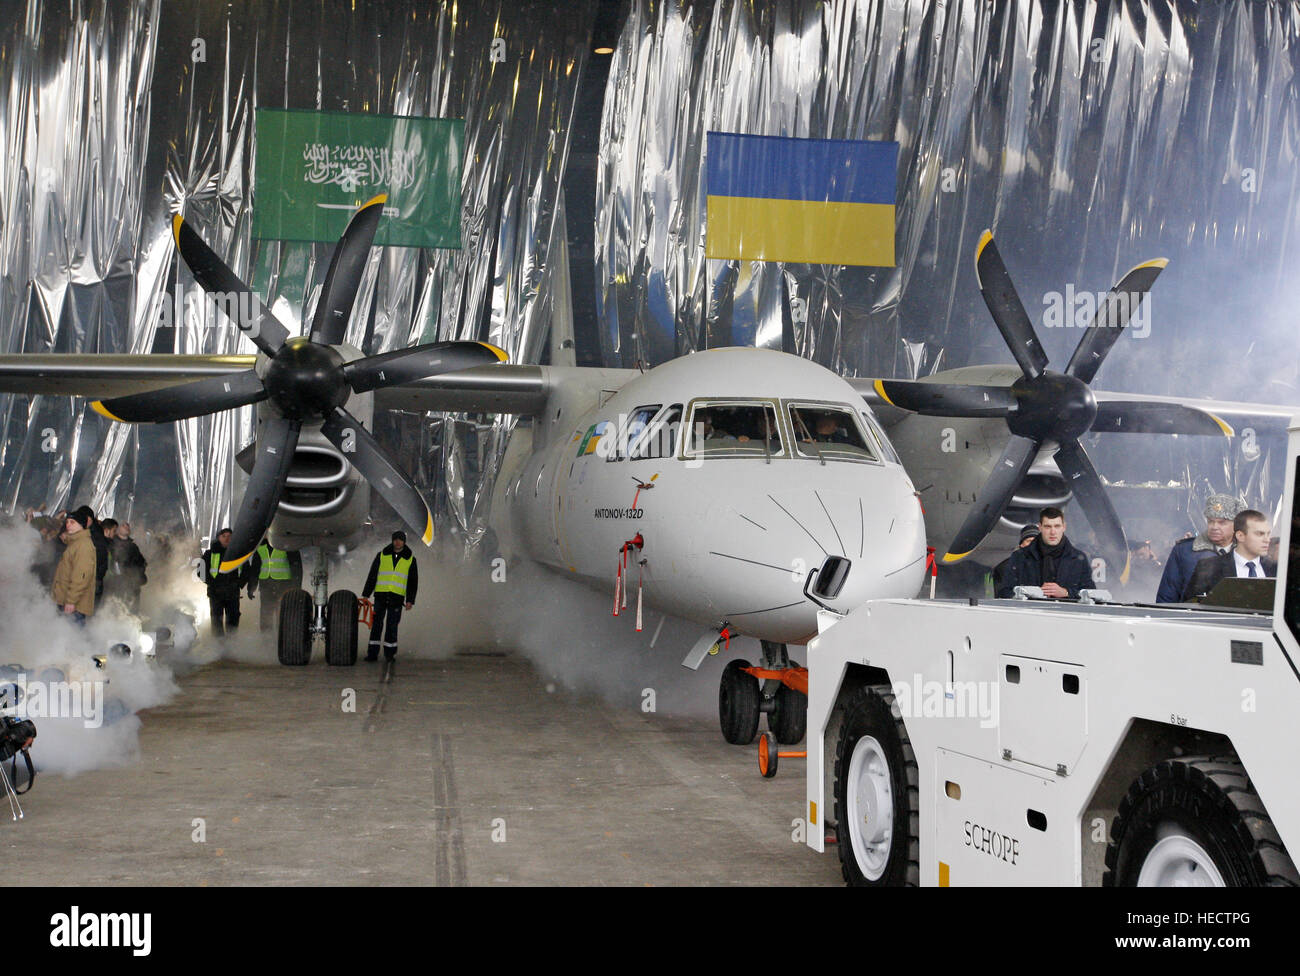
pixel 304 380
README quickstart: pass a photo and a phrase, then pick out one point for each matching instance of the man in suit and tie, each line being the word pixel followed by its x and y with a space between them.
pixel 1220 510
pixel 1247 559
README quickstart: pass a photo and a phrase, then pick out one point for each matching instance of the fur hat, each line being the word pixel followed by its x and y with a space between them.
pixel 1222 507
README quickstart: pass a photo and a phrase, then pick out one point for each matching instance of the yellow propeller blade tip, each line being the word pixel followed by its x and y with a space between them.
pixel 880 392
pixel 427 538
pixel 1123 577
pixel 103 411
pixel 381 199
pixel 1161 263
pixel 952 557
pixel 1224 426
pixel 227 567
pixel 496 351
pixel 177 220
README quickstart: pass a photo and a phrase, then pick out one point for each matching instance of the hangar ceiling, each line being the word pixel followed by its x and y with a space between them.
pixel 1090 136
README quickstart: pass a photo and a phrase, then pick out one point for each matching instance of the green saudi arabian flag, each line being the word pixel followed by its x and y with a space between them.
pixel 315 168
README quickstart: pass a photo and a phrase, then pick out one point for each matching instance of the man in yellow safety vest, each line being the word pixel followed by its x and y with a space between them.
pixel 275 572
pixel 393 581
pixel 223 588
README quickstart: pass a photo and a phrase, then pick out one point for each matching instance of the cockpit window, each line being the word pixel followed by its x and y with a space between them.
pixel 732 428
pixel 828 432
pixel 659 439
pixel 882 442
pixel 635 425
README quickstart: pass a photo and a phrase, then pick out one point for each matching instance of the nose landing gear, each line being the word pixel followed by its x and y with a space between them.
pixel 779 688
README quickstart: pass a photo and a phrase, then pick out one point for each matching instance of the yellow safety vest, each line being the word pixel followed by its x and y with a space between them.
pixel 275 563
pixel 392 574
pixel 214 561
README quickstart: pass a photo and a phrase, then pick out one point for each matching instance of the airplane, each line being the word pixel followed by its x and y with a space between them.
pixel 742 489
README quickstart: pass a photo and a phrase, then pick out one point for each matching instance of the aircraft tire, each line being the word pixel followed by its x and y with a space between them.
pixel 738 695
pixel 1195 821
pixel 293 644
pixel 876 768
pixel 788 719
pixel 341 629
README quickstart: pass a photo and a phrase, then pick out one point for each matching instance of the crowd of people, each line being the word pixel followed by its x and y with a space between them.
pixel 84 561
pixel 1236 543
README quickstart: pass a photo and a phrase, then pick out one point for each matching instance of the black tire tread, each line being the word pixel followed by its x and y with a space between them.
pixel 788 721
pixel 738 716
pixel 341 629
pixel 861 701
pixel 293 637
pixel 1226 782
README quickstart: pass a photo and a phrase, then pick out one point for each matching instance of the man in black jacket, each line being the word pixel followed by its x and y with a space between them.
pixel 100 542
pixel 1049 562
pixel 1246 559
pixel 127 564
pixel 393 580
pixel 223 588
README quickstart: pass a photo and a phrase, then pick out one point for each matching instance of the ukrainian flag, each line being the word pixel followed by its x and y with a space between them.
pixel 814 201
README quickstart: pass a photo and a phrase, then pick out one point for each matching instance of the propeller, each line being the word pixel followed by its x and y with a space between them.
pixel 1043 406
pixel 304 380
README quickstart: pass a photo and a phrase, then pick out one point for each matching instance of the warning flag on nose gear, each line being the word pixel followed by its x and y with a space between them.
pixel 814 201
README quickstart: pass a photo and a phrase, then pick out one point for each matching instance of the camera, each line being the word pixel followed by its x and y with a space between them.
pixel 15 735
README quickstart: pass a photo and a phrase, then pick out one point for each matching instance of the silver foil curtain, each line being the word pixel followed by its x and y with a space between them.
pixel 1089 135
pixel 118 114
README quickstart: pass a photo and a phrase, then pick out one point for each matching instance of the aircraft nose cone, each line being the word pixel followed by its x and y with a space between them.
pixel 759 550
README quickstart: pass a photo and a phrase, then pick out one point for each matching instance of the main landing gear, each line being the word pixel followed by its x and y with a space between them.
pixel 779 688
pixel 306 616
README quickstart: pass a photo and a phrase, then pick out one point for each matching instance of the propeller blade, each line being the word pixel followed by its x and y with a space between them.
pixel 276 440
pixel 417 363
pixel 1086 485
pixel 183 401
pixel 345 432
pixel 344 276
pixel 1144 417
pixel 236 299
pixel 994 497
pixel 1005 307
pixel 947 399
pixel 1112 318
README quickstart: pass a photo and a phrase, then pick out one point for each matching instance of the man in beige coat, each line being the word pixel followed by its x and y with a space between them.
pixel 74 579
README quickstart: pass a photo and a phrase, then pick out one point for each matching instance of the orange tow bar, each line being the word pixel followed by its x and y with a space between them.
pixel 366 612
pixel 768 756
pixel 792 677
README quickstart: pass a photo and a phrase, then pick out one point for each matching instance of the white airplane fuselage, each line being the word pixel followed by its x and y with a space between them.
pixel 727 535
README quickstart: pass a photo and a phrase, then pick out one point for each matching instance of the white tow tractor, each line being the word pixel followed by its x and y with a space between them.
pixel 1006 742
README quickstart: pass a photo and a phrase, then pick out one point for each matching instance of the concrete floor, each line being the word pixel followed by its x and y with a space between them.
pixel 449 772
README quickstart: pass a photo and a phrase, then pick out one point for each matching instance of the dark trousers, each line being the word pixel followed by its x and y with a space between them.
pixel 225 612
pixel 269 592
pixel 383 632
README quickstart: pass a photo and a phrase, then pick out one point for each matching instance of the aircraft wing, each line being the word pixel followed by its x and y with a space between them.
pixel 100 377
pixel 1236 413
pixel 1166 414
pixel 500 388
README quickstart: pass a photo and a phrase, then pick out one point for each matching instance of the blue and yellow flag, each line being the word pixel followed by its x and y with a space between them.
pixel 815 201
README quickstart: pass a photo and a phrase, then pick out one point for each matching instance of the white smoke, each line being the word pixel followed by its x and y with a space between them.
pixel 46 650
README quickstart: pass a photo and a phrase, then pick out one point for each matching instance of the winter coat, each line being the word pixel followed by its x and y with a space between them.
pixel 1025 568
pixel 74 579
